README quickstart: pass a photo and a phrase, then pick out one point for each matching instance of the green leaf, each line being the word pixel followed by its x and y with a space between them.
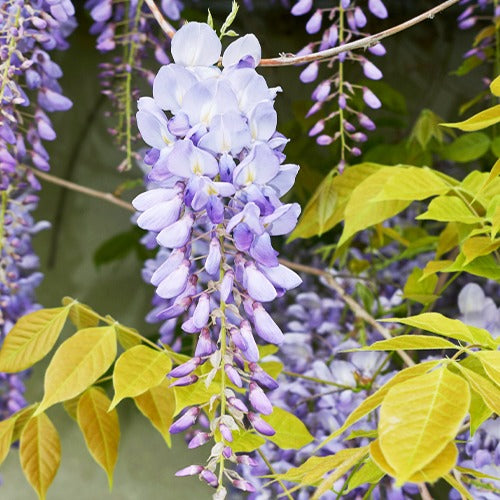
pixel 100 428
pixel 410 342
pixel 31 338
pixel 485 266
pixel 374 400
pixel 479 121
pixel 246 441
pixel 412 183
pixel 468 65
pixel 495 146
pixel 467 147
pixel 344 185
pixel 158 406
pixel 40 453
pixel 137 370
pixel 230 18
pixel 210 20
pixel 368 473
pixel 438 467
pixel 449 209
pixel 419 417
pixel 420 289
pixel 426 128
pixel 363 210
pixel 452 328
pixel 6 434
pixel 77 364
pixel 119 246
pixel 291 433
pixel 491 364
pixel 486 389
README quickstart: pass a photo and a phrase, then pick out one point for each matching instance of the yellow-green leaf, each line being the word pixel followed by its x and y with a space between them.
pixel 368 473
pixel 137 370
pixel 437 468
pixel 291 433
pixel 31 338
pixel 419 288
pixel 77 364
pixel 410 342
pixel 128 337
pixel 100 428
pixel 486 389
pixel 466 148
pixel 495 86
pixel 412 183
pixel 6 433
pixel 449 209
pixel 479 121
pixel 81 316
pixel 453 328
pixel 329 481
pixel 374 400
pixel 435 266
pixel 327 201
pixel 455 483
pixel 477 246
pixel 40 453
pixel 478 411
pixel 246 441
pixel 419 417
pixel 491 364
pixel 194 394
pixel 158 406
pixel 273 368
pixel 363 210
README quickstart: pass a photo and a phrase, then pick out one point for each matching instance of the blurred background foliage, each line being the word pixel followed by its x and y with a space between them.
pixel 418 75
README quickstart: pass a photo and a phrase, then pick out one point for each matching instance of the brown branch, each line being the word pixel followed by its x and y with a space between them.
pixel 362 43
pixel 84 190
pixel 160 19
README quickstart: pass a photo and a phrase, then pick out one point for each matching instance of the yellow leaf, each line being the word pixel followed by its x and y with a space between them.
pixel 479 121
pixel 246 441
pixel 373 401
pixel 495 86
pixel 22 418
pixel 437 468
pixel 40 453
pixel 486 389
pixel 491 364
pixel 478 246
pixel 77 364
pixel 368 473
pixel 31 338
pixel 6 433
pixel 81 316
pixel 128 337
pixel 137 370
pixel 419 417
pixel 448 239
pixel 158 406
pixel 449 209
pixel 434 266
pixel 455 483
pixel 100 429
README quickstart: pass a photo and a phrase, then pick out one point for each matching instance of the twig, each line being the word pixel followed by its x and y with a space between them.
pixel 271 469
pixel 424 492
pixel 84 190
pixel 362 43
pixel 164 24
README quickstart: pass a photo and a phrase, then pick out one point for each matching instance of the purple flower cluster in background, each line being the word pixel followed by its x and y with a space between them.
pixel 334 96
pixel 128 30
pixel 29 89
pixel 217 177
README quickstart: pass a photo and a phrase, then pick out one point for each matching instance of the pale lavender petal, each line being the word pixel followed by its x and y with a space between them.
pixel 282 277
pixel 263 121
pixel 263 252
pixel 178 234
pixel 302 7
pixel 285 179
pixel 150 198
pixel 260 425
pixel 241 48
pixel 202 311
pixel 196 44
pixel 257 285
pixel 186 160
pixel 173 261
pixel 371 99
pixel 310 73
pixel 251 353
pixel 250 215
pixel 283 220
pixel 226 286
pixel 377 8
pixel 371 71
pixel 265 326
pixel 175 283
pixel 259 167
pixel 259 400
pixel 170 86
pixel 212 263
pixel 161 215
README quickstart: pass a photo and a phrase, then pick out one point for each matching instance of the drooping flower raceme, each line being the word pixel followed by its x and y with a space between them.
pixel 335 95
pixel 29 89
pixel 218 167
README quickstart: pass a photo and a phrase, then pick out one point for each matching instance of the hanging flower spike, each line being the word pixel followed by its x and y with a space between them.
pixel 218 178
pixel 334 95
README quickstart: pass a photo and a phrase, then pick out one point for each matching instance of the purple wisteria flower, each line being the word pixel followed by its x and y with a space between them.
pixel 334 96
pixel 217 176
pixel 29 90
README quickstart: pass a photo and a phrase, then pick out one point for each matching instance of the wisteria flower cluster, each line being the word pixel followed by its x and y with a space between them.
pixel 335 94
pixel 29 89
pixel 127 30
pixel 218 166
